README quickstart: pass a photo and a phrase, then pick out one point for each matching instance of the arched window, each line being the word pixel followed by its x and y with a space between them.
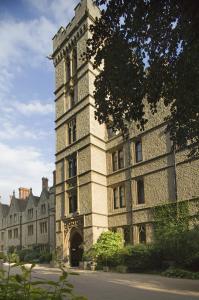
pixel 74 61
pixel 68 68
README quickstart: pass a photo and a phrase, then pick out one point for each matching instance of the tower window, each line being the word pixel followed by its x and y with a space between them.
pixel 72 203
pixel 72 97
pixel 122 198
pixel 72 132
pixel 68 69
pixel 115 198
pixel 138 151
pixel 140 191
pixel 118 160
pixel 119 197
pixel 72 167
pixel 114 161
pixel 74 61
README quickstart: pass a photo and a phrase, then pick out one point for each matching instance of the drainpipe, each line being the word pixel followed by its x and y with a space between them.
pixel 175 173
pixel 20 231
pixel 49 228
pixel 36 226
pixel 130 186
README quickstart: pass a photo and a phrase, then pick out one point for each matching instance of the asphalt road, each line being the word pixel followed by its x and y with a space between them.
pixel 114 286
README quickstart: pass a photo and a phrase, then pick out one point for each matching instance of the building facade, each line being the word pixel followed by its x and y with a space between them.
pixel 28 220
pixel 106 180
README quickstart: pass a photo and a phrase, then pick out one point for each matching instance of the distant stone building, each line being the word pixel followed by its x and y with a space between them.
pixel 28 220
pixel 103 180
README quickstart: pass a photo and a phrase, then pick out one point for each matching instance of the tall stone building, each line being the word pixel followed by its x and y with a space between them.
pixel 104 180
pixel 28 220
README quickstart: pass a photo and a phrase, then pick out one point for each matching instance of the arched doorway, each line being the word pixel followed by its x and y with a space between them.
pixel 76 250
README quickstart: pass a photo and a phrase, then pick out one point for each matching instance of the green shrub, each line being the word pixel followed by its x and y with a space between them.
pixel 138 258
pixel 11 249
pixel 45 257
pixel 31 256
pixel 107 246
pixel 180 273
pixel 34 255
pixel 192 263
pixel 22 253
pixel 173 237
pixel 14 258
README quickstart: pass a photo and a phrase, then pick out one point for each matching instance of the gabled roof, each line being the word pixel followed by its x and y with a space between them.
pixel 33 198
pixel 20 204
pixel 4 208
pixel 45 193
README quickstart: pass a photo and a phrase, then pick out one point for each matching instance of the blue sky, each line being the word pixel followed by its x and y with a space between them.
pixel 27 141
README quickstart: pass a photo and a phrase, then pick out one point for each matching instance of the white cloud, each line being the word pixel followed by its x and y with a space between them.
pixel 25 41
pixel 34 107
pixel 27 165
pixel 60 11
pixel 11 131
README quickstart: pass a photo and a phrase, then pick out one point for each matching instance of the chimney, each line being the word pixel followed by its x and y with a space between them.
pixel 54 178
pixel 44 183
pixel 23 193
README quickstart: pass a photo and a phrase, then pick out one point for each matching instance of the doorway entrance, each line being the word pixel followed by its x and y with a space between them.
pixel 76 251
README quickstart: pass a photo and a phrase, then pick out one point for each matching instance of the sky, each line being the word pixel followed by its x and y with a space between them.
pixel 27 139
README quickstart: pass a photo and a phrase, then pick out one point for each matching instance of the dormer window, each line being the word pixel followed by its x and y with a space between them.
pixel 30 213
pixel 15 218
pixel 43 209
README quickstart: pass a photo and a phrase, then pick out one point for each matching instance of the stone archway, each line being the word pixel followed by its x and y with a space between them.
pixel 76 250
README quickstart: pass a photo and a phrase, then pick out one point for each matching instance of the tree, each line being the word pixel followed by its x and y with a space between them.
pixel 149 50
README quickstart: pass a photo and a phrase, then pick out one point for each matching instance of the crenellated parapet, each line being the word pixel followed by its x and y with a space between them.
pixel 66 38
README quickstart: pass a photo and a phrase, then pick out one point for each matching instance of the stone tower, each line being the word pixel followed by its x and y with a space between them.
pixel 81 182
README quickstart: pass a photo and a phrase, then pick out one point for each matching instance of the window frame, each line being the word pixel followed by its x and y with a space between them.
pixel 72 199
pixel 10 234
pixel 43 208
pixel 118 203
pixel 140 193
pixel 43 227
pixel 30 213
pixel 138 151
pixel 72 167
pixel 16 233
pixel 30 230
pixel 117 159
pixel 72 133
pixel 142 230
pixel 68 68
